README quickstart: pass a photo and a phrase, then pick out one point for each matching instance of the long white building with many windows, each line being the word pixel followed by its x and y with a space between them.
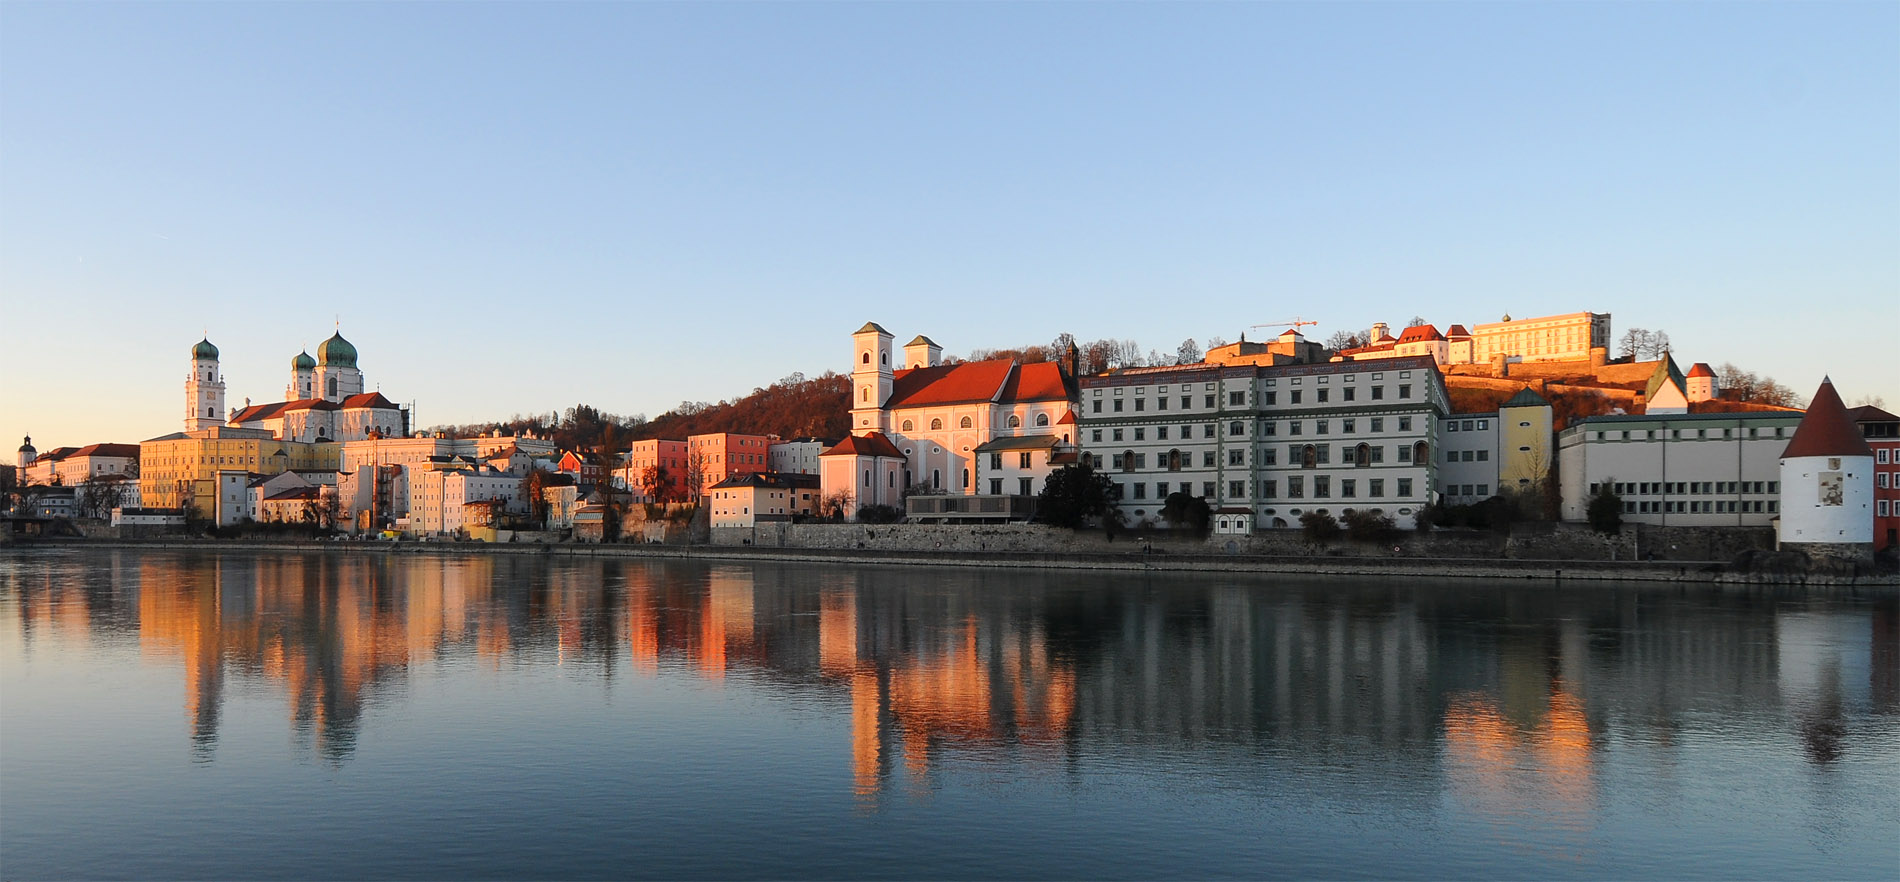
pixel 1266 444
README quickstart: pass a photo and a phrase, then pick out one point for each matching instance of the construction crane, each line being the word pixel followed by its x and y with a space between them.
pixel 1294 324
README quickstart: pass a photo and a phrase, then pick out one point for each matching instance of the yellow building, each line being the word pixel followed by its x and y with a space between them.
pixel 181 470
pixel 1527 451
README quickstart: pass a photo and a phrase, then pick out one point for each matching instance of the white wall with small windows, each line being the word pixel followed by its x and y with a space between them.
pixel 1677 469
pixel 1467 458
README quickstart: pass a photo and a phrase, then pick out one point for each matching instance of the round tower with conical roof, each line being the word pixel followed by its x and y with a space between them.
pixel 1827 484
pixel 336 376
pixel 27 453
pixel 204 389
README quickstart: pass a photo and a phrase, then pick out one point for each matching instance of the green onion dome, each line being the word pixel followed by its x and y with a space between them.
pixel 204 349
pixel 302 362
pixel 337 351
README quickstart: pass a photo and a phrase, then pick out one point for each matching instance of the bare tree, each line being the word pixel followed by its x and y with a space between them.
pixel 1870 401
pixel 696 472
pixel 97 498
pixel 1343 340
pixel 1418 321
pixel 1633 344
pixel 1188 352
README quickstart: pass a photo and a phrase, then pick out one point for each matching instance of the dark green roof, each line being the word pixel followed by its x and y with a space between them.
pixel 337 351
pixel 302 362
pixel 1526 398
pixel 1666 372
pixel 204 349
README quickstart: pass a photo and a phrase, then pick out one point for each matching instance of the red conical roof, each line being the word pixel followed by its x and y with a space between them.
pixel 1826 430
pixel 1701 369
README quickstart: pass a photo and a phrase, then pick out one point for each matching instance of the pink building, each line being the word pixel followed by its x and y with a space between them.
pixel 668 457
pixel 715 457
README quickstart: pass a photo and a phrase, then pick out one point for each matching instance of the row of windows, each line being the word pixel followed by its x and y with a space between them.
pixel 1023 486
pixel 1467 425
pixel 1322 485
pixel 1718 506
pixel 1883 480
pixel 1677 434
pixel 1015 421
pixel 1238 428
pixel 1688 488
pixel 1467 456
pixel 1239 399
pixel 1479 490
pixel 1022 460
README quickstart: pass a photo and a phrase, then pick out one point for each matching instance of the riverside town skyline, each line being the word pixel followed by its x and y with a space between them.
pixel 949 440
pixel 604 221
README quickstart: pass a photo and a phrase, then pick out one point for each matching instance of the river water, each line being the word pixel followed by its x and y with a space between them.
pixel 350 714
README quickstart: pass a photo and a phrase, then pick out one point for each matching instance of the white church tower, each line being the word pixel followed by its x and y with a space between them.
pixel 303 378
pixel 1827 484
pixel 204 389
pixel 871 378
pixel 336 375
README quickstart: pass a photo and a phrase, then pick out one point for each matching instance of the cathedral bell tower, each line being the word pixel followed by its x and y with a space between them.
pixel 204 389
pixel 871 378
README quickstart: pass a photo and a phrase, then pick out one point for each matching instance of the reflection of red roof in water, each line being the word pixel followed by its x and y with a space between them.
pixel 1826 430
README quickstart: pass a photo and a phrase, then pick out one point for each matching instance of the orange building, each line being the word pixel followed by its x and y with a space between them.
pixel 667 461
pixel 717 456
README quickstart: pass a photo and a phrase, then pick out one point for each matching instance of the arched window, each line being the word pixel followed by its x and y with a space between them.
pixel 208 411
pixel 1309 457
pixel 909 426
pixel 1042 419
pixel 883 358
pixel 963 423
pixel 1128 460
pixel 1362 455
pixel 936 425
pixel 331 382
pixel 865 395
pixel 1421 452
pixel 1174 460
pixel 1015 422
pixel 867 358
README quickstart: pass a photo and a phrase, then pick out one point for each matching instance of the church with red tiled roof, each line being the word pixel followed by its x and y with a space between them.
pixel 324 400
pixel 917 421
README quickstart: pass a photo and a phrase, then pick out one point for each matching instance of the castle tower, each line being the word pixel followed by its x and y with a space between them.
pixel 1703 385
pixel 303 378
pixel 204 389
pixel 871 378
pixel 27 453
pixel 336 376
pixel 1827 484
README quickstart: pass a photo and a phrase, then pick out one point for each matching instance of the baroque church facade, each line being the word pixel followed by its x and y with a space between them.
pixel 324 400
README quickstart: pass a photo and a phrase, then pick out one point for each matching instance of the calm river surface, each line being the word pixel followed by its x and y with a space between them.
pixel 346 714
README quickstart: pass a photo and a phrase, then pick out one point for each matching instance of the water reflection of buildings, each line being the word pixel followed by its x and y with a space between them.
pixel 1503 695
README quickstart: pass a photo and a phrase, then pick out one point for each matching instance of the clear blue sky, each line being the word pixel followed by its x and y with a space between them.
pixel 516 207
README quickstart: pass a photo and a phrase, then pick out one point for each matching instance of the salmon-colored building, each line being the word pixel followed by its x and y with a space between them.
pixel 714 457
pixel 1882 433
pixel 669 457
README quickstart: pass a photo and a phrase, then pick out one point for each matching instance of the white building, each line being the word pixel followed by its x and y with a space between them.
pixel 798 456
pixel 324 399
pixel 1827 483
pixel 1468 463
pixel 1707 469
pixel 935 416
pixel 438 496
pixel 1265 444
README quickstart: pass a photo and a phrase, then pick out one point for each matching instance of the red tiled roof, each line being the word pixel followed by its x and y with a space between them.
pixel 1826 430
pixel 1868 413
pixel 1456 331
pixel 368 399
pixel 1385 346
pixel 130 450
pixel 1701 369
pixel 1068 418
pixel 1041 381
pixel 963 383
pixel 872 444
pixel 56 454
pixel 1419 334
pixel 279 408
pixel 310 492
